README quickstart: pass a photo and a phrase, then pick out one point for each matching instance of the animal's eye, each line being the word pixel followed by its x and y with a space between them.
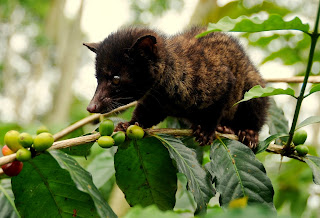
pixel 116 80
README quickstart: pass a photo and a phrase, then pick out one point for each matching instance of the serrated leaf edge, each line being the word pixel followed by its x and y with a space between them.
pixel 265 94
pixel 254 20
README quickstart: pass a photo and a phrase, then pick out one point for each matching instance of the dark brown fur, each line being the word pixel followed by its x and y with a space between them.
pixel 182 76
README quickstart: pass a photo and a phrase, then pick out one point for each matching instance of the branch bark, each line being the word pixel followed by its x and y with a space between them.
pixel 89 119
pixel 294 79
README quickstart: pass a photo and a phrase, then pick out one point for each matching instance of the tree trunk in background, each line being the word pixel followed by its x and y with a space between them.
pixel 69 41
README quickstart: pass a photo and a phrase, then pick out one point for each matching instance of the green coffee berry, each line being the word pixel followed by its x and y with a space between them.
pixel 299 137
pixel 42 129
pixel 302 150
pixel 23 155
pixel 119 137
pixel 106 128
pixel 43 141
pixel 106 141
pixel 135 132
pixel 25 139
pixel 11 140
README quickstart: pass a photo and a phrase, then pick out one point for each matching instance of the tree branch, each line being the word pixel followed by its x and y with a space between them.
pixel 89 119
pixel 295 79
pixel 277 149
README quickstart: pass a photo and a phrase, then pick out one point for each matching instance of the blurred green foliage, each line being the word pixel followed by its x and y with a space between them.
pixel 144 12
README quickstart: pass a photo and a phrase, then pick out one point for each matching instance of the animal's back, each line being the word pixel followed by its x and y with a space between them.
pixel 206 69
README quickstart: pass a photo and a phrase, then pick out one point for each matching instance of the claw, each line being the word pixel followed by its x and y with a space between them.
pixel 249 137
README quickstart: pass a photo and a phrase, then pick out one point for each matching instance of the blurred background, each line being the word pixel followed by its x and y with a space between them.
pixel 47 76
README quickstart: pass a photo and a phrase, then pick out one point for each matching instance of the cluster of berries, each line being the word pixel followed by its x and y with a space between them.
pixel 22 144
pixel 108 138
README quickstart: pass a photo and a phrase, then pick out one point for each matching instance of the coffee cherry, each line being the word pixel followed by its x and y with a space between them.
pixel 299 137
pixel 106 128
pixel 42 129
pixel 119 137
pixel 43 141
pixel 302 150
pixel 6 151
pixel 11 140
pixel 25 139
pixel 135 132
pixel 106 141
pixel 12 169
pixel 23 154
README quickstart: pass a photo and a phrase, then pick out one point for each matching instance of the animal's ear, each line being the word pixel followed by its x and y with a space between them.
pixel 92 46
pixel 147 43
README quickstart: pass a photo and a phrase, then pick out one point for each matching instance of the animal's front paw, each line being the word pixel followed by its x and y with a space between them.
pixel 204 137
pixel 249 137
pixel 123 126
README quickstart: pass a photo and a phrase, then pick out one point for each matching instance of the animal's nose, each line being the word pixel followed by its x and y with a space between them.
pixel 92 108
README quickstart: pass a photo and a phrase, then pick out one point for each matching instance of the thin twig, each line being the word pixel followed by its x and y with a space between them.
pixel 278 149
pixel 89 119
pixel 295 79
pixel 184 132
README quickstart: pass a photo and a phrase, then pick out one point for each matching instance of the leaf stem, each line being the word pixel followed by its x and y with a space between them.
pixel 314 37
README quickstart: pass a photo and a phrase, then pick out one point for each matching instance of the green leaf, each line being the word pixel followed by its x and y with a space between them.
pixel 255 24
pixel 42 187
pixel 314 164
pixel 83 181
pixel 258 92
pixel 308 121
pixel 102 168
pixel 277 122
pixel 145 173
pixel 264 41
pixel 199 182
pixel 288 56
pixel 314 89
pixel 263 145
pixel 238 174
pixel 7 207
pixel 79 150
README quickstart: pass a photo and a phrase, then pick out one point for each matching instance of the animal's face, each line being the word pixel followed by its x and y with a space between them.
pixel 117 85
pixel 122 76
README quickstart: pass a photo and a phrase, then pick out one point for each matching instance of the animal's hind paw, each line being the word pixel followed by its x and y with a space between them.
pixel 249 137
pixel 202 136
pixel 225 130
